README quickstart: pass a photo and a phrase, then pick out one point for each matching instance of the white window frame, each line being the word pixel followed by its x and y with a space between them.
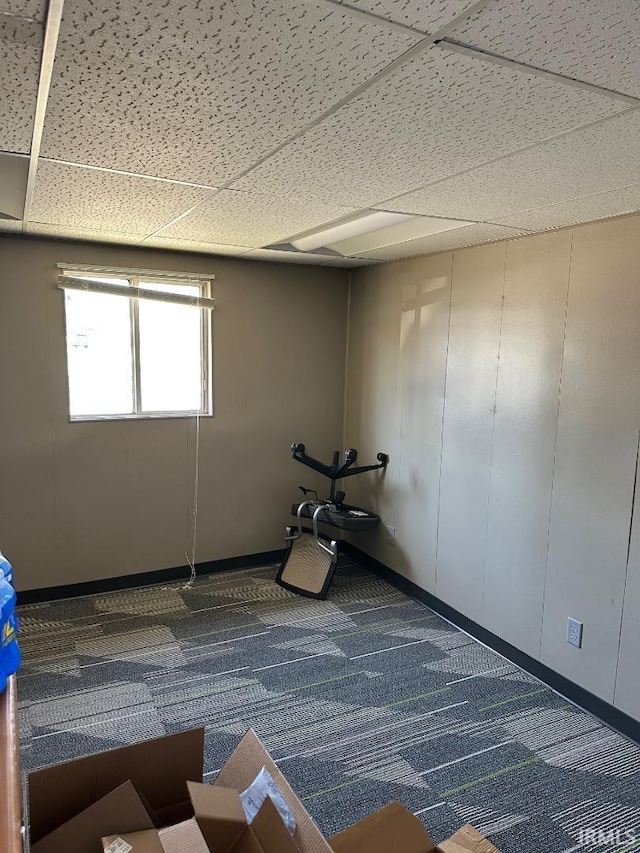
pixel 136 279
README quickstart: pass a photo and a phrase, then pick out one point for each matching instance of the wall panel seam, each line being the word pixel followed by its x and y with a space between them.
pixel 626 574
pixel 555 444
pixel 444 405
pixel 406 265
pixel 347 342
pixel 493 428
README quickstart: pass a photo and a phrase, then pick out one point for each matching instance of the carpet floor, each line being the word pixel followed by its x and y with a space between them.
pixel 364 698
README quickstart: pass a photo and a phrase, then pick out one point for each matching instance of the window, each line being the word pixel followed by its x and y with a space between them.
pixel 138 343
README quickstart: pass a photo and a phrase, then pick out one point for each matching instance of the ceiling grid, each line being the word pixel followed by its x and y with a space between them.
pixel 227 127
pixel 597 42
pixel 434 117
pixel 601 156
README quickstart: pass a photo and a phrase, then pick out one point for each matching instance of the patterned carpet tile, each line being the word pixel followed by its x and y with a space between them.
pixel 363 698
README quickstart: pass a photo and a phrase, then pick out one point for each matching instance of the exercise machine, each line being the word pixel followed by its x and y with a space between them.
pixel 312 556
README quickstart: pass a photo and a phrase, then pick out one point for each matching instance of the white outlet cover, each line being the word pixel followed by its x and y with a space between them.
pixel 574 632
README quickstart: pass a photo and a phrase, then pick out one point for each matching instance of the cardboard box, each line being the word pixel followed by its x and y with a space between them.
pixel 122 805
pixel 219 825
pixel 394 828
pixel 149 798
pixel 158 770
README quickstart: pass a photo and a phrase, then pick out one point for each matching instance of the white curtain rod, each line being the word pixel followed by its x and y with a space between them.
pixel 67 282
pixel 123 271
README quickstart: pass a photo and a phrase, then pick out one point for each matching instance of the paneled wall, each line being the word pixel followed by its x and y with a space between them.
pixel 88 500
pixel 503 381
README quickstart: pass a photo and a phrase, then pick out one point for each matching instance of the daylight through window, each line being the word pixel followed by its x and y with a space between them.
pixel 138 344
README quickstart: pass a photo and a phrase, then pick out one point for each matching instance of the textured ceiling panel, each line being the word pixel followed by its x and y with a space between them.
pixel 34 9
pixel 584 162
pixel 20 50
pixel 425 15
pixel 470 235
pixel 435 116
pixel 88 198
pixel 599 206
pixel 250 219
pixel 43 229
pixel 199 91
pixel 192 246
pixel 597 41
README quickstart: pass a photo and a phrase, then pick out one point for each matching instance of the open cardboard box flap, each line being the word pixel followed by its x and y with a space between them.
pixel 242 767
pixel 159 770
pixel 270 831
pixel 389 829
pixel 395 828
pixel 219 826
pixel 221 818
pixel 145 841
pixel 121 808
pixel 184 837
pixel 219 814
pixel 467 840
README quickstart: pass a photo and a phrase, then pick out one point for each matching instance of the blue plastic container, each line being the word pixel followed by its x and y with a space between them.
pixel 9 648
pixel 6 571
pixel 6 568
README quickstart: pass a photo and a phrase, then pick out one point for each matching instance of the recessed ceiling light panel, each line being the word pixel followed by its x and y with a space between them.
pixel 363 224
pixel 371 230
pixel 410 229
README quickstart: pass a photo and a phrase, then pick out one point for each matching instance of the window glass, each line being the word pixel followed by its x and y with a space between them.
pixel 99 354
pixel 171 370
pixel 136 357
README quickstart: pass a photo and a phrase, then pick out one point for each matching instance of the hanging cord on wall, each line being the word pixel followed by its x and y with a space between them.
pixel 192 537
pixel 192 525
pixel 192 531
pixel 190 550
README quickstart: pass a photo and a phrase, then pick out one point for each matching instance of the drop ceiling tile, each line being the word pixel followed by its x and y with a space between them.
pixel 578 210
pixel 193 246
pixel 87 198
pixel 470 235
pixel 252 219
pixel 200 91
pixel 435 116
pixel 285 257
pixel 63 232
pixel 425 15
pixel 34 9
pixel 21 50
pixel 582 163
pixel 593 41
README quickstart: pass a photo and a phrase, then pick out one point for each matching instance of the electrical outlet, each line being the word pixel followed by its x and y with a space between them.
pixel 391 535
pixel 574 632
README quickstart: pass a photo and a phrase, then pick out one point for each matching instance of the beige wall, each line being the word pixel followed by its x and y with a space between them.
pixel 503 381
pixel 82 501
